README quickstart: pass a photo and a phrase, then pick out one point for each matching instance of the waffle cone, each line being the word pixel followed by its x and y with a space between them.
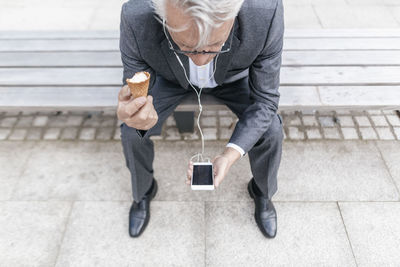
pixel 139 88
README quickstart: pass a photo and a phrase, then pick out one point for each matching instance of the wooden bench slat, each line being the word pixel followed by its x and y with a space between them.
pixel 61 59
pixel 335 97
pixel 289 44
pixel 360 96
pixel 292 98
pixel 61 76
pixel 342 44
pixel 60 45
pixel 42 97
pixel 113 59
pixel 348 33
pixel 301 76
pixel 100 34
pixel 340 76
pixel 340 58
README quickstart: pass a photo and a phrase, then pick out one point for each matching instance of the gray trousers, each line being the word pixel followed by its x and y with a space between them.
pixel 265 156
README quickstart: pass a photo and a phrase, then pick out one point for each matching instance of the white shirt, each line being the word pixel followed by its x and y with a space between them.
pixel 200 76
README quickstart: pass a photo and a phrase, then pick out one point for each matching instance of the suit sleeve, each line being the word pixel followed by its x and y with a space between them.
pixel 132 61
pixel 131 58
pixel 264 84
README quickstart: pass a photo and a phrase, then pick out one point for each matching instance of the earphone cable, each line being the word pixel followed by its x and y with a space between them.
pixel 199 155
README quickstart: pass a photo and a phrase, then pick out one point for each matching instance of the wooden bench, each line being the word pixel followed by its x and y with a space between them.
pixel 324 69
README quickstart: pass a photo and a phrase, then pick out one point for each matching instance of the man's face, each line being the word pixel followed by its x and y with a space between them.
pixel 187 39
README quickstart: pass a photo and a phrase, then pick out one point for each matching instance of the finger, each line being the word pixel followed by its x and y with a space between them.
pixel 153 115
pixel 216 178
pixel 124 93
pixel 190 170
pixel 189 173
pixel 216 182
pixel 135 105
pixel 150 122
pixel 149 119
pixel 147 108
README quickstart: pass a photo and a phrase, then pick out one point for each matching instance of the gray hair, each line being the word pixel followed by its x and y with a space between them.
pixel 207 14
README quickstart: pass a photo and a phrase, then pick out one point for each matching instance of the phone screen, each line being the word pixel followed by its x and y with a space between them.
pixel 202 175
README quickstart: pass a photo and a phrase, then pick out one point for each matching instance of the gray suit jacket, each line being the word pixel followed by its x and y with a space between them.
pixel 256 51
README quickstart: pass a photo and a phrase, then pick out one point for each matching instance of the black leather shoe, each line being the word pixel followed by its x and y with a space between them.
pixel 265 213
pixel 139 214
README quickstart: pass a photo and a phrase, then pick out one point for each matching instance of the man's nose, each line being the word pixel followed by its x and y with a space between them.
pixel 200 59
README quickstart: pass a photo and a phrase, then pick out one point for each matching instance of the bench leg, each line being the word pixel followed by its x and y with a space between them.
pixel 184 121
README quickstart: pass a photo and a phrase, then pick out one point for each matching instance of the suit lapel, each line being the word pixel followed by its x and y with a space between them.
pixel 224 60
pixel 174 64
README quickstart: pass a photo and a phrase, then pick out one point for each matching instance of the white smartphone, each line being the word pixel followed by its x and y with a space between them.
pixel 203 176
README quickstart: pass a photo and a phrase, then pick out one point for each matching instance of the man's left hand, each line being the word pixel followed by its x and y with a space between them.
pixel 221 165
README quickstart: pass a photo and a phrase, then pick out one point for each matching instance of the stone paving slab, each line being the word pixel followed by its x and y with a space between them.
pixel 97 235
pixel 74 171
pixel 31 232
pixel 391 154
pixel 396 13
pixel 313 2
pixel 298 16
pixel 360 16
pixel 373 229
pixel 42 17
pixel 334 171
pixel 105 15
pixel 373 2
pixel 309 234
pixel 13 158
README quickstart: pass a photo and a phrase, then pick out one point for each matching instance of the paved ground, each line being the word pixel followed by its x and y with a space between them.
pixel 100 15
pixel 66 203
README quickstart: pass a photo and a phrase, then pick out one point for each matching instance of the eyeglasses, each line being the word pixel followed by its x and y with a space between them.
pixel 183 52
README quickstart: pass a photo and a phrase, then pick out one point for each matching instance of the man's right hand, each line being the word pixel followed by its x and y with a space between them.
pixel 138 113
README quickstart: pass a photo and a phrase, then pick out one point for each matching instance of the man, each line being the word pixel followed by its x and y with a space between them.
pixel 181 43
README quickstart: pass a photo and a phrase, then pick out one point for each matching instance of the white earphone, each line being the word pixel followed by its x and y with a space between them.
pixel 198 155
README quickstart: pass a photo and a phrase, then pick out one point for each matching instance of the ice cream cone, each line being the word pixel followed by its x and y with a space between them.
pixel 139 88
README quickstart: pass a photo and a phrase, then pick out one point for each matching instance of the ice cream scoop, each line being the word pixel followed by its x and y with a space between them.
pixel 139 84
